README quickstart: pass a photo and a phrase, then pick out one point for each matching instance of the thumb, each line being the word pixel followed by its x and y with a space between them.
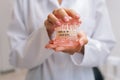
pixel 82 38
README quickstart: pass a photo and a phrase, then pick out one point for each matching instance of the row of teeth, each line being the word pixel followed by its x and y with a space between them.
pixel 67 30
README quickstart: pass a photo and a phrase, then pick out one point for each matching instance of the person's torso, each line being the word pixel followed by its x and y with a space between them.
pixel 59 66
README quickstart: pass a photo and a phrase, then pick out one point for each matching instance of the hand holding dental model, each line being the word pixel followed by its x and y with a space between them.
pixel 64 23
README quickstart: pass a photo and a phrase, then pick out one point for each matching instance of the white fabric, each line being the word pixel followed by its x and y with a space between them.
pixel 28 36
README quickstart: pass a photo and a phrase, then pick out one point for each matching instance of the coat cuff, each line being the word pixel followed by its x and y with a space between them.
pixel 92 56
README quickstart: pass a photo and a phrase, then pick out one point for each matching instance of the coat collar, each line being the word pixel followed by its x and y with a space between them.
pixel 64 3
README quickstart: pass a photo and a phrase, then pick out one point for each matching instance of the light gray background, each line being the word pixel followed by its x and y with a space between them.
pixel 114 10
pixel 5 14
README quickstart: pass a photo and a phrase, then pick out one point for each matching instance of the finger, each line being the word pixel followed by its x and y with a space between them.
pixel 61 13
pixel 79 35
pixel 53 19
pixel 84 41
pixel 51 42
pixel 51 46
pixel 59 49
pixel 48 24
pixel 82 38
pixel 72 13
pixel 64 48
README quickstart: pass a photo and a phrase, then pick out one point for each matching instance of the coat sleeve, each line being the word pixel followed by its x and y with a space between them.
pixel 101 42
pixel 27 51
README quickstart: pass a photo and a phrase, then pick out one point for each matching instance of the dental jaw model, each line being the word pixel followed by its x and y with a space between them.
pixel 66 34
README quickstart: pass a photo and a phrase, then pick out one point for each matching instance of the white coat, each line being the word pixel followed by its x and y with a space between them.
pixel 28 37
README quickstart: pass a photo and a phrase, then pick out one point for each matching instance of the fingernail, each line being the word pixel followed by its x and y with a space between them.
pixel 58 23
pixel 66 19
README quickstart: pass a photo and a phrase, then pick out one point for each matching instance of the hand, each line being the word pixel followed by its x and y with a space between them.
pixel 78 45
pixel 59 16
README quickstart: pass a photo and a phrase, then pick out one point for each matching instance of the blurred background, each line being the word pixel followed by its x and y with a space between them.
pixel 111 70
